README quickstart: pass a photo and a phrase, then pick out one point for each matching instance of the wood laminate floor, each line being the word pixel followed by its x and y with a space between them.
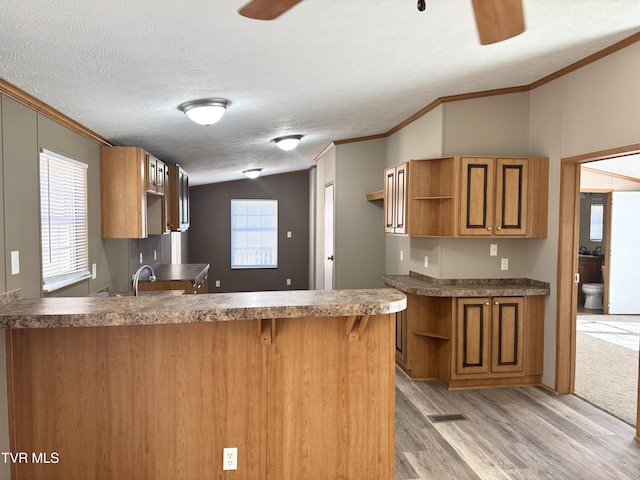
pixel 508 433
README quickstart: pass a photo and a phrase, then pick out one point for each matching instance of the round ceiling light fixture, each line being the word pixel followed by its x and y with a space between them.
pixel 253 172
pixel 205 112
pixel 288 142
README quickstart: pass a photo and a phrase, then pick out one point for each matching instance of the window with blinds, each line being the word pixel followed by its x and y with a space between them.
pixel 254 233
pixel 63 221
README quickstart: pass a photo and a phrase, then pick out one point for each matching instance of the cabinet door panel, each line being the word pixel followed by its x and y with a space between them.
pixel 401 337
pixel 507 336
pixel 477 200
pixel 473 332
pixel 389 200
pixel 401 199
pixel 511 196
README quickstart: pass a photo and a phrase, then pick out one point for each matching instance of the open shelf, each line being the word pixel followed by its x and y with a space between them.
pixel 375 196
pixel 441 197
pixel 432 335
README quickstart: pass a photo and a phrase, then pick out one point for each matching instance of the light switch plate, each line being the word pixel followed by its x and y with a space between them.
pixel 504 264
pixel 493 250
pixel 288 234
pixel 15 262
pixel 426 261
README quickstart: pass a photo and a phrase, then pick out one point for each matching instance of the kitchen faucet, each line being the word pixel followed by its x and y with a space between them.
pixel 136 277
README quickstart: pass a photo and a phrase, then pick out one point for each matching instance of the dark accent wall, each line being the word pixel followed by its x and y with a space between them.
pixel 210 232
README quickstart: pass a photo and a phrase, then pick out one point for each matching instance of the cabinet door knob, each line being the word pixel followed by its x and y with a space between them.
pixel 487 304
pixel 488 228
pixel 498 228
pixel 497 303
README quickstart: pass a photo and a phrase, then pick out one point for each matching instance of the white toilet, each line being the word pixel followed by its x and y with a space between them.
pixel 593 295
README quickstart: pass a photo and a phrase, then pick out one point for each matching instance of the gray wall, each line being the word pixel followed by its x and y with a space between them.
pixel 23 132
pixel 210 232
pixel 358 242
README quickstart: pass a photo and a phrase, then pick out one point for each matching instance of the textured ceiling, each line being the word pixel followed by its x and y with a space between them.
pixel 327 69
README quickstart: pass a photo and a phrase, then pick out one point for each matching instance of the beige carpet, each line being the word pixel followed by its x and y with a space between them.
pixel 607 376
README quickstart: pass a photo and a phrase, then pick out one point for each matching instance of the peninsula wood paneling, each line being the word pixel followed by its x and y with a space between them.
pixel 161 402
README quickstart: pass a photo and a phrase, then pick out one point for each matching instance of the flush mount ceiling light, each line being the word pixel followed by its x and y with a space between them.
pixel 288 142
pixel 253 172
pixel 205 112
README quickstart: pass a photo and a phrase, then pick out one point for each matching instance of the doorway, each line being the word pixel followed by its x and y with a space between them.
pixel 607 344
pixel 568 263
pixel 328 237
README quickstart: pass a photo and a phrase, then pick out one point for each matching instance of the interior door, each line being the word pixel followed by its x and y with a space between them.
pixel 328 237
pixel 624 260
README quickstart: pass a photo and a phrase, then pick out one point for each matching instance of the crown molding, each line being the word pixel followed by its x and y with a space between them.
pixel 39 106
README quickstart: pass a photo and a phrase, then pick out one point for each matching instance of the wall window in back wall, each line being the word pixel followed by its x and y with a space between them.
pixel 254 234
pixel 63 221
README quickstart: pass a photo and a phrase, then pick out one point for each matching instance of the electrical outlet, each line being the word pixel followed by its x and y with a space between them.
pixel 504 264
pixel 140 258
pixel 493 250
pixel 94 271
pixel 288 281
pixel 288 234
pixel 402 255
pixel 230 459
pixel 155 255
pixel 426 261
pixel 217 283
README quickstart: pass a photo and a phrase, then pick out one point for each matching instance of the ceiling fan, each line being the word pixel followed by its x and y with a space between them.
pixel 497 20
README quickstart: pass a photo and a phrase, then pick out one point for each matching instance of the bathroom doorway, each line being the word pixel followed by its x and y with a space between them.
pixel 569 243
pixel 607 344
pixel 593 243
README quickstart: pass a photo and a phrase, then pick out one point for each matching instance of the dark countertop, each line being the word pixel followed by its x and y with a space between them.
pixel 418 284
pixel 191 272
pixel 161 309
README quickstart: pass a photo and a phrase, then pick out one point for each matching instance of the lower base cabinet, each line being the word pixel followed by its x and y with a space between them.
pixel 472 342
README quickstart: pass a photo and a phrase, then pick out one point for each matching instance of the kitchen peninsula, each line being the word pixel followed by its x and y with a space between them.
pixel 301 382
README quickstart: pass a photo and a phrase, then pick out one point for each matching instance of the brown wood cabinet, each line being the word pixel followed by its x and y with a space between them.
pixel 401 338
pixel 470 196
pixel 178 199
pixel 395 199
pixel 155 177
pixel 130 208
pixel 494 200
pixel 489 335
pixel 473 342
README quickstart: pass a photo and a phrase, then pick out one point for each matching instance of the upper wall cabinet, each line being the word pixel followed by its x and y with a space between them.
pixel 132 203
pixel 472 196
pixel 178 199
pixel 395 199
pixel 155 177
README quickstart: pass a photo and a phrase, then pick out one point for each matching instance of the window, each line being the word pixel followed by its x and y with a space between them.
pixel 595 226
pixel 254 233
pixel 63 221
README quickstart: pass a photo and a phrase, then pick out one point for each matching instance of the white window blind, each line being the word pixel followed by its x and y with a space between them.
pixel 63 221
pixel 254 233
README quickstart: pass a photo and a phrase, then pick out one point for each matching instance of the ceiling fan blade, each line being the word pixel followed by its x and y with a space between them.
pixel 498 20
pixel 266 9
